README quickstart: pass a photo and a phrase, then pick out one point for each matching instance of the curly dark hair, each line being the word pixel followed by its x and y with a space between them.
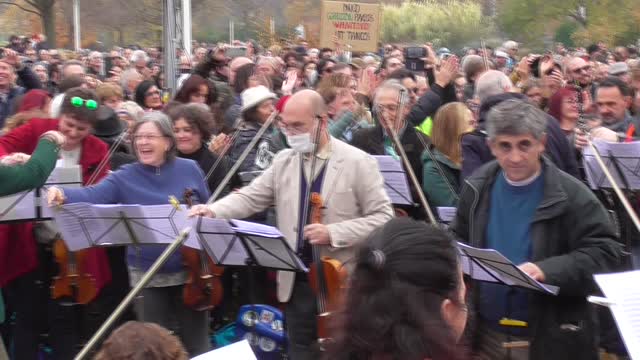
pixel 403 274
pixel 142 341
pixel 192 85
pixel 197 116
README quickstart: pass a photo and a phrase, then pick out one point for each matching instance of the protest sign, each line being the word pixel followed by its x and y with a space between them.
pixel 351 23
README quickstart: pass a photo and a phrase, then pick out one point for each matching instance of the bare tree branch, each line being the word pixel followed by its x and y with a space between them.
pixel 21 7
pixel 34 4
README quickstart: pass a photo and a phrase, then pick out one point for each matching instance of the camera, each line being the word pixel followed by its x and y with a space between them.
pixel 413 56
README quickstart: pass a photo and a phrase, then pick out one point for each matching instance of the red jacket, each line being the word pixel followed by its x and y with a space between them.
pixel 18 254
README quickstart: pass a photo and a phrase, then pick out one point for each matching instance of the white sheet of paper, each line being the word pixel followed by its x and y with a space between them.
pixel 446 213
pixel 62 177
pixel 621 289
pixel 216 237
pixel 236 351
pixel 627 156
pixel 495 264
pixel 21 206
pixel 395 180
pixel 251 228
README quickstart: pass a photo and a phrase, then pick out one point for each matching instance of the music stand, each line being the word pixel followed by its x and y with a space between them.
pixel 31 205
pixel 395 180
pixel 84 225
pixel 242 243
pixel 489 265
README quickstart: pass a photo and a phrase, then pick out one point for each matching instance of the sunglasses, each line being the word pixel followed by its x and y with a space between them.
pixel 90 104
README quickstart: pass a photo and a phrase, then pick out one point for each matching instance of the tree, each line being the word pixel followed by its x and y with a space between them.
pixel 611 21
pixel 451 23
pixel 44 9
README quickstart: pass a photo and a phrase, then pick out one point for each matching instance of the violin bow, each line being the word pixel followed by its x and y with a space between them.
pixel 221 156
pixel 106 159
pixel 402 102
pixel 242 157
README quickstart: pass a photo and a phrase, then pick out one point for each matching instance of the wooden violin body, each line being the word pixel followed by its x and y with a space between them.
pixel 72 281
pixel 335 278
pixel 203 289
pixel 327 278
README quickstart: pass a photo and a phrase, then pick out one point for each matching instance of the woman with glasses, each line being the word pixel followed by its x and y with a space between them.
pixel 156 176
pixel 22 268
pixel 148 96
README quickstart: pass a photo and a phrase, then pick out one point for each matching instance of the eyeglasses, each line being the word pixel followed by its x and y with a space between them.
pixel 90 104
pixel 147 137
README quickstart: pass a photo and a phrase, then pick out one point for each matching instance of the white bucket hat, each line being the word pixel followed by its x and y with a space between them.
pixel 254 96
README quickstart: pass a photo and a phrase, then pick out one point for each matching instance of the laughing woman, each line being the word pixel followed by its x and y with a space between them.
pixel 156 176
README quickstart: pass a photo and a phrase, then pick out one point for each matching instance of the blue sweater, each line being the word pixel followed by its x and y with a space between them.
pixel 146 185
pixel 508 231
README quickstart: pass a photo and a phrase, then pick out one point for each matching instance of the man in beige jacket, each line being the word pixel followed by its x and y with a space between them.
pixel 354 204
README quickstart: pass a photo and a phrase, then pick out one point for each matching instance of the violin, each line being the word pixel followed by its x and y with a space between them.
pixel 327 278
pixel 203 289
pixel 71 281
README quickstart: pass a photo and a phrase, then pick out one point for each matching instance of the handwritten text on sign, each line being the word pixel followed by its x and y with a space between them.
pixel 351 23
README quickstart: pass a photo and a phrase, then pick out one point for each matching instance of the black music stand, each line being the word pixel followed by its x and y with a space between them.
pixel 489 265
pixel 395 180
pixel 85 225
pixel 31 205
pixel 241 243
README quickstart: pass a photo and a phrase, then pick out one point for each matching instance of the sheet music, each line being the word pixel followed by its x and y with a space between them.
pixel 251 228
pixel 236 351
pixel 83 225
pixel 220 241
pixel 62 177
pixel 626 307
pixel 395 180
pixel 489 265
pixel 627 156
pixel 446 213
pixel 21 206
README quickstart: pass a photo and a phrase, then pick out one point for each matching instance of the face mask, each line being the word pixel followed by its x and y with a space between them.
pixel 301 143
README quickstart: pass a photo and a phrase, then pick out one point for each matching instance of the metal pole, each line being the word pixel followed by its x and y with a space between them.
pixel 186 26
pixel 134 292
pixel 76 25
pixel 623 199
pixel 232 29
pixel 170 45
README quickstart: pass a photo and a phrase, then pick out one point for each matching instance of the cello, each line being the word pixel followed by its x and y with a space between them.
pixel 72 281
pixel 327 278
pixel 203 289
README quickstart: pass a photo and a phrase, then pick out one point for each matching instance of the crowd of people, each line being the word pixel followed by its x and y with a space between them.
pixel 497 134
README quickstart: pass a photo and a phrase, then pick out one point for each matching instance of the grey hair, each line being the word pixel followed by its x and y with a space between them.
pixel 516 117
pixel 164 124
pixel 139 55
pixel 127 75
pixel 392 84
pixel 492 82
